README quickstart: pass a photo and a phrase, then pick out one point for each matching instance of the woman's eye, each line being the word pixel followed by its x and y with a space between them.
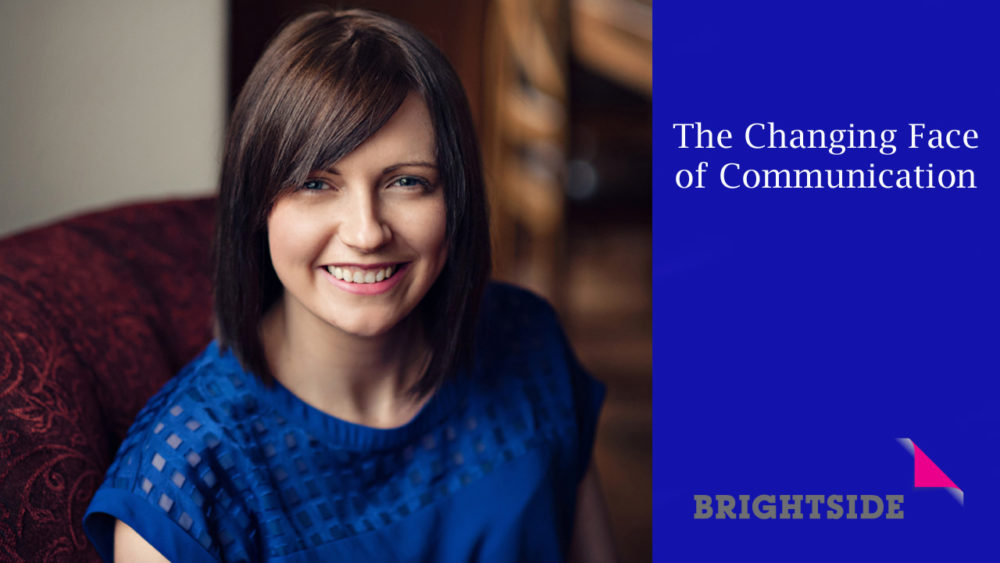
pixel 411 182
pixel 314 185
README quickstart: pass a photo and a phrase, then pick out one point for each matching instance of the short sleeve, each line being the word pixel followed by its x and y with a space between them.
pixel 588 397
pixel 168 483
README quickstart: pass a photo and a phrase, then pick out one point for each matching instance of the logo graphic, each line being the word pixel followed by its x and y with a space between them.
pixel 926 474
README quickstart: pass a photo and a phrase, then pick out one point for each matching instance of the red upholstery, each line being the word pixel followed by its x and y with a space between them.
pixel 96 313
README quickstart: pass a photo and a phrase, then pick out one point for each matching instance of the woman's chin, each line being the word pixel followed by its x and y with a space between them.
pixel 369 328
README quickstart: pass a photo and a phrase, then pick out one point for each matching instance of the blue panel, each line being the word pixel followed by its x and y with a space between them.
pixel 798 332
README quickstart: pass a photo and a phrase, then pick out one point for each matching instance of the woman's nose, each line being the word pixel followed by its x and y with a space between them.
pixel 363 228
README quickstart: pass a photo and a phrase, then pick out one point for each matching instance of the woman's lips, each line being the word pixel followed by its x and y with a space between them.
pixel 362 274
pixel 383 277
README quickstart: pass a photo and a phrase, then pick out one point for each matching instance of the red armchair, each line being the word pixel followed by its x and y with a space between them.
pixel 96 313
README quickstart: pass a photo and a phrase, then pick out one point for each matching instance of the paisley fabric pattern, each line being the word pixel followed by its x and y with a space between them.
pixel 97 312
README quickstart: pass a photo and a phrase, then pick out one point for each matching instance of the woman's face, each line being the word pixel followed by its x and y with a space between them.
pixel 359 245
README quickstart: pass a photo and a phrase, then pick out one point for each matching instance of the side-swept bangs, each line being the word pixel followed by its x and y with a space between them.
pixel 327 82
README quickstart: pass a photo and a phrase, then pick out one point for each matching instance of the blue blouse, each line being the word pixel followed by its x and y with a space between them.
pixel 219 466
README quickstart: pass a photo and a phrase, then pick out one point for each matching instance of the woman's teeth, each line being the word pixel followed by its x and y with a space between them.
pixel 357 275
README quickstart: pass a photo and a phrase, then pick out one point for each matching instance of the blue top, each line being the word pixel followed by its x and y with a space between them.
pixel 219 466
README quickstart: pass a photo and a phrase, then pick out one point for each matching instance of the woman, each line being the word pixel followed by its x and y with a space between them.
pixel 369 396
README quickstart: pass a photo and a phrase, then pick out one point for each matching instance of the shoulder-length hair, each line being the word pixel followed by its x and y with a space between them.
pixel 325 84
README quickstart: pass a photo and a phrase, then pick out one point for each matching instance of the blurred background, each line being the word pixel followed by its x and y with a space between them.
pixel 108 101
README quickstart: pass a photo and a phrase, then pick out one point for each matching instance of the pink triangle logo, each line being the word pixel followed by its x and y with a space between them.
pixel 926 473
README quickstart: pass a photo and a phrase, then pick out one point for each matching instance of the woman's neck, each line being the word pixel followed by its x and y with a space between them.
pixel 360 379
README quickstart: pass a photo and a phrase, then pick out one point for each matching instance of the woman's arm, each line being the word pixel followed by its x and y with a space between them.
pixel 591 541
pixel 129 546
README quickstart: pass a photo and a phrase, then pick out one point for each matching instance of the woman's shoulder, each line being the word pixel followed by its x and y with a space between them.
pixel 205 412
pixel 520 339
pixel 532 378
pixel 504 296
pixel 212 390
pixel 512 312
pixel 185 445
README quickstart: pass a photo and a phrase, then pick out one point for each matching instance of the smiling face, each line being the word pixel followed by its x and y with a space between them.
pixel 357 246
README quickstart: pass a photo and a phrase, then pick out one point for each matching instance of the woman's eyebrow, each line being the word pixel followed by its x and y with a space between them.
pixel 333 170
pixel 422 163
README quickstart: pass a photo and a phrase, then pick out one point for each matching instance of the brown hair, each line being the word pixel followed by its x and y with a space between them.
pixel 325 84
